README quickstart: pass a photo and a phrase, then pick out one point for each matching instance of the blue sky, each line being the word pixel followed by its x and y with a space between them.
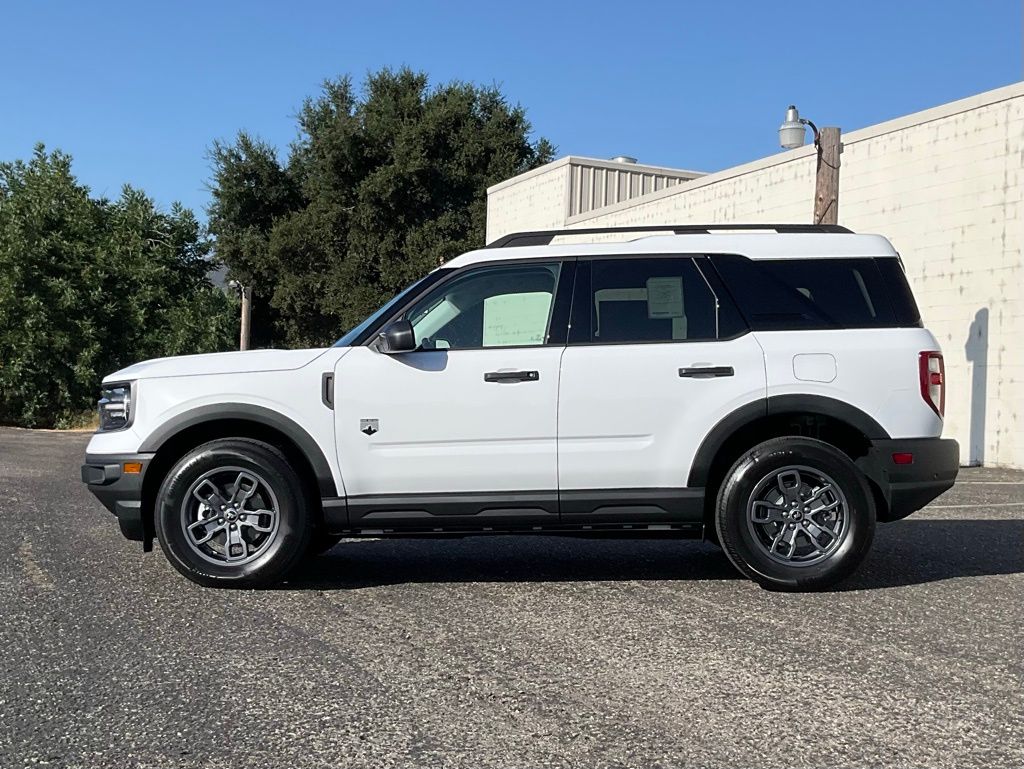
pixel 136 92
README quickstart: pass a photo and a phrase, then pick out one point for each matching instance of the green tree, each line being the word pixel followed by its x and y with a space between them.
pixel 382 186
pixel 88 286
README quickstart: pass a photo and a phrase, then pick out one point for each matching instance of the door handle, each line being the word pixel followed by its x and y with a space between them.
pixel 706 372
pixel 512 376
pixel 327 389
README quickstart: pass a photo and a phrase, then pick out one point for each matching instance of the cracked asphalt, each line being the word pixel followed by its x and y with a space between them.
pixel 505 652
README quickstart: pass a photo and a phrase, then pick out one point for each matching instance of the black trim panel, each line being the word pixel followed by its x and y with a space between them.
pixel 558 323
pixel 629 505
pixel 829 407
pixel 603 530
pixel 700 468
pixel 544 237
pixel 514 510
pixel 250 413
pixel 471 509
pixel 335 510
pixel 776 405
pixel 120 493
pixel 908 488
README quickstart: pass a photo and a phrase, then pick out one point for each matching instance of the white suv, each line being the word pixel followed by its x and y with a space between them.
pixel 769 388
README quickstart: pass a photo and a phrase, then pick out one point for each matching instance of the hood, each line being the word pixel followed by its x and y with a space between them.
pixel 217 363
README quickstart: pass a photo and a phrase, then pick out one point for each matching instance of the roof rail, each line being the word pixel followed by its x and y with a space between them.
pixel 544 237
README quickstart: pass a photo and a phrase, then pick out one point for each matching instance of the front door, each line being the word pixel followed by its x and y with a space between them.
pixel 461 431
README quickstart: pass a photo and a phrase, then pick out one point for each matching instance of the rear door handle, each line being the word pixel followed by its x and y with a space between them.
pixel 706 372
pixel 512 376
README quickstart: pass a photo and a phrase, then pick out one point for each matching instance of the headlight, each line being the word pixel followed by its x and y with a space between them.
pixel 115 406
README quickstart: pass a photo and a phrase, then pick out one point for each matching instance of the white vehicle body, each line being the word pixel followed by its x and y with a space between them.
pixel 598 433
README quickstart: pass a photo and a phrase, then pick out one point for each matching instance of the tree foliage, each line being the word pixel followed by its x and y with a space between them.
pixel 88 286
pixel 381 186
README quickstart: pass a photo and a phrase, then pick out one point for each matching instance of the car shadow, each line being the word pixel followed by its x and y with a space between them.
pixel 904 553
pixel 917 551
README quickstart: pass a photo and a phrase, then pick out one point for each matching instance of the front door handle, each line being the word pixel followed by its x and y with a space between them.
pixel 702 372
pixel 512 376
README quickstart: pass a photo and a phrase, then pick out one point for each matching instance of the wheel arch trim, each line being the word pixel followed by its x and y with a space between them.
pixel 247 412
pixel 777 405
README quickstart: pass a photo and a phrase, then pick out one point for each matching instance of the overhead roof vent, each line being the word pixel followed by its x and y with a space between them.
pixel 624 159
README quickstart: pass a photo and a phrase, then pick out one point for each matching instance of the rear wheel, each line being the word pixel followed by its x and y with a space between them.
pixel 233 513
pixel 795 514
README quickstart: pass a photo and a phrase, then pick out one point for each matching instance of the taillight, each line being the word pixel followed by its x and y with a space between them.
pixel 933 380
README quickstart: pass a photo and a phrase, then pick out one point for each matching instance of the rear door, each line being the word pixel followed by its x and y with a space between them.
pixel 655 359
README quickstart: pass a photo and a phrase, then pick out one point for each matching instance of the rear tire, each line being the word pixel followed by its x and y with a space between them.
pixel 795 514
pixel 233 513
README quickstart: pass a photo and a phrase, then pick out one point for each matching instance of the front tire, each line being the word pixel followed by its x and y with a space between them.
pixel 795 514
pixel 233 513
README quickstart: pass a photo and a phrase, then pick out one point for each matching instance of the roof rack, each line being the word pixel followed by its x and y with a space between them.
pixel 544 237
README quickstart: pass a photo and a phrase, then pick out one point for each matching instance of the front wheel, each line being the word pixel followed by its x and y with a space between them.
pixel 233 513
pixel 795 514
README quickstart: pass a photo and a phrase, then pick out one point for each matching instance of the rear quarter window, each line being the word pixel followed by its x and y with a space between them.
pixel 904 306
pixel 794 294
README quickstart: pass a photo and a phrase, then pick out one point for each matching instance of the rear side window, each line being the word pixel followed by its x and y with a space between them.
pixel 645 300
pixel 792 294
pixel 895 279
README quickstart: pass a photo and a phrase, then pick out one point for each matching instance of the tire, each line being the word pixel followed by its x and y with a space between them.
pixel 263 526
pixel 763 522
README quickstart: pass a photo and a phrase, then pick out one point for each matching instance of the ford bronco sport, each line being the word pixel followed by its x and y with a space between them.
pixel 770 388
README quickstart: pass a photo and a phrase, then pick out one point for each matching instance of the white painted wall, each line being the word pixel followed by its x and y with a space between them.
pixel 536 200
pixel 542 199
pixel 945 185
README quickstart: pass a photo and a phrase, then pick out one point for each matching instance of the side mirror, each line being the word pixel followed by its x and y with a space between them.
pixel 399 336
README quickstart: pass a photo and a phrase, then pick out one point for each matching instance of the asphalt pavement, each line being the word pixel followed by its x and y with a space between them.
pixel 505 652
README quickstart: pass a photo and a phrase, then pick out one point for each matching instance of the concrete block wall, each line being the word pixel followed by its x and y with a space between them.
pixel 536 200
pixel 945 185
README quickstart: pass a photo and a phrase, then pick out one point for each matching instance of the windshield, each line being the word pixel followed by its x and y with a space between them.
pixel 350 338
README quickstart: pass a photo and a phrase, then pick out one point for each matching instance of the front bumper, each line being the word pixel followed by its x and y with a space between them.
pixel 120 492
pixel 906 488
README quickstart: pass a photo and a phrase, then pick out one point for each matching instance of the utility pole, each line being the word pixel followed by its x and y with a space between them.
pixel 243 341
pixel 245 292
pixel 826 182
pixel 826 178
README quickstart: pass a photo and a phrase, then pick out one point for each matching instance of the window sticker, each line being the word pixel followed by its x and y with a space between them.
pixel 665 297
pixel 516 319
pixel 679 328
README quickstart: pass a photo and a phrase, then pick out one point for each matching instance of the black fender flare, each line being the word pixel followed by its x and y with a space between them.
pixel 776 405
pixel 248 412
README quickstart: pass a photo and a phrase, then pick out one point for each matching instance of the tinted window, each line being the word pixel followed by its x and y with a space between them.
pixel 779 294
pixel 650 300
pixel 902 299
pixel 502 306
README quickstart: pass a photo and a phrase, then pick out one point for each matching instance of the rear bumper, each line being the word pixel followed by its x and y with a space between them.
pixel 120 492
pixel 907 488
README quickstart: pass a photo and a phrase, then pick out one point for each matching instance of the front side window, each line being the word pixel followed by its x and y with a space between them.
pixel 650 300
pixel 499 306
